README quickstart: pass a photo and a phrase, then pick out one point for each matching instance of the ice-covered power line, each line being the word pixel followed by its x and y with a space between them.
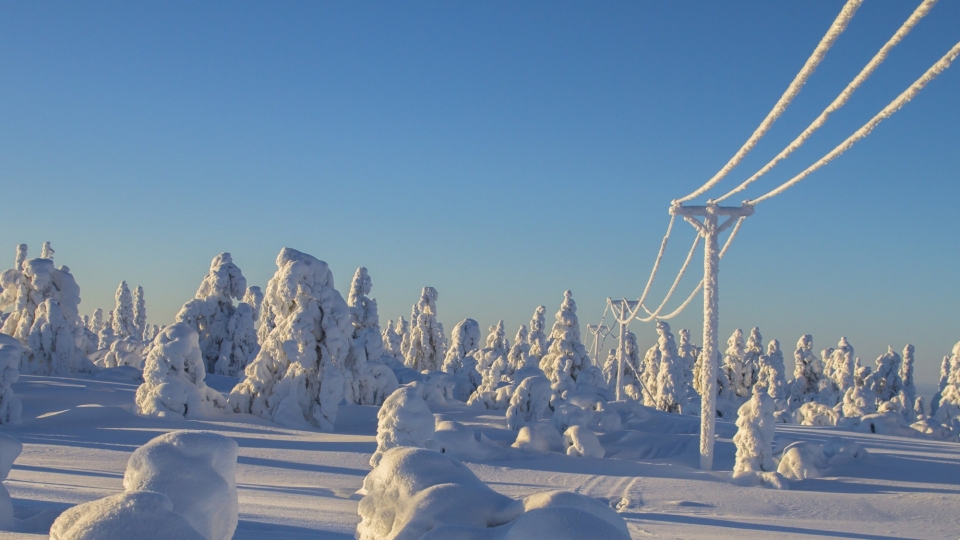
pixel 838 26
pixel 841 99
pixel 887 112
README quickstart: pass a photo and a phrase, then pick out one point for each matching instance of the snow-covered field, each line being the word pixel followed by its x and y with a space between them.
pixel 78 433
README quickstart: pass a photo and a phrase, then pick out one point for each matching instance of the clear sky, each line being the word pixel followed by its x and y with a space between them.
pixel 499 151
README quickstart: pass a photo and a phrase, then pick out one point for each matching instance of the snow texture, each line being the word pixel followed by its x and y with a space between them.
pixel 10 354
pixel 403 420
pixel 751 359
pixel 566 356
pixel 138 514
pixel 195 470
pixel 427 345
pixel 173 377
pixel 297 378
pixel 368 380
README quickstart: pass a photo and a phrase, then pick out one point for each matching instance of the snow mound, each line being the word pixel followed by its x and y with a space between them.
pixel 566 499
pixel 815 414
pixel 138 514
pixel 195 470
pixel 403 420
pixel 539 437
pixel 461 442
pixel 803 460
pixel 580 441
pixel 886 423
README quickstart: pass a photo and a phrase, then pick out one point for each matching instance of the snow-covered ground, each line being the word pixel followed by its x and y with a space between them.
pixel 78 433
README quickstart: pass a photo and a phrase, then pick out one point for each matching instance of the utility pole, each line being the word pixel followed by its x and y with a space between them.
pixel 709 227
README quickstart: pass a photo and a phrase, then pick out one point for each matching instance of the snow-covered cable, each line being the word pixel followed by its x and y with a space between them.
pixel 838 26
pixel 887 112
pixel 841 99
pixel 633 312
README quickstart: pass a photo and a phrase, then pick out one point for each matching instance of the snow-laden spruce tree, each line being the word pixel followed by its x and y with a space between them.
pixel 671 380
pixel 944 377
pixel 885 380
pixel 96 321
pixel 46 252
pixel 124 325
pixel 566 356
pixel 733 363
pixel 751 358
pixel 948 409
pixel 106 337
pixel 844 366
pixel 689 354
pixel 770 376
pixel 754 438
pixel 406 336
pixel 859 400
pixel 631 367
pixel 139 313
pixel 10 354
pixel 369 380
pixel 403 420
pixel 807 373
pixel 519 356
pixel 649 375
pixel 212 307
pixel 464 340
pixel 492 359
pixel 44 318
pixel 173 376
pixel 242 344
pixel 537 336
pixel 391 340
pixel 428 344
pixel 10 281
pixel 906 374
pixel 297 379
pixel 530 402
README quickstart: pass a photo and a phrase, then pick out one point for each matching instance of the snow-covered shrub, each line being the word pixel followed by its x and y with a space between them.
pixel 538 337
pixel 369 381
pixel 124 325
pixel 297 378
pixel 494 400
pixel 672 391
pixel 210 311
pixel 530 402
pixel 139 313
pixel 630 368
pixel 569 414
pixel 427 343
pixel 403 420
pixel 461 442
pixel 539 437
pixel 581 442
pixel 754 438
pixel 10 449
pixel 460 361
pixel 173 377
pixel 815 414
pixel 566 356
pixel 806 374
pixel 733 364
pixel 859 401
pixel 124 352
pixel 195 470
pixel 10 354
pixel 770 375
pixel 906 374
pixel 242 344
pixel 138 514
pixel 885 382
pixel 802 460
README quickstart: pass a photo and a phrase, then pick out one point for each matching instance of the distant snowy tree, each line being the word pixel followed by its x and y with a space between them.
pixel 649 375
pixel 671 379
pixel 770 376
pixel 428 344
pixel 885 382
pixel 139 313
pixel 844 365
pixel 733 363
pixel 10 353
pixel 538 337
pixel 105 336
pixel 492 359
pixel 124 325
pixel 403 420
pixel 96 322
pixel 918 409
pixel 406 337
pixel 806 374
pixel 391 340
pixel 519 356
pixel 530 402
pixel 566 356
pixel 754 438
pixel 211 309
pixel 46 252
pixel 751 359
pixel 173 376
pixel 464 340
pixel 689 354
pixel 631 367
pixel 944 377
pixel 241 345
pixel 906 374
pixel 297 379
pixel 859 401
pixel 369 380
pixel 948 410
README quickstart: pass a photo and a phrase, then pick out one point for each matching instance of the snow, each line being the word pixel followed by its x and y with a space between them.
pixel 580 441
pixel 426 345
pixel 138 514
pixel 124 323
pixel 403 420
pixel 10 406
pixel 566 357
pixel 10 448
pixel 368 380
pixel 195 470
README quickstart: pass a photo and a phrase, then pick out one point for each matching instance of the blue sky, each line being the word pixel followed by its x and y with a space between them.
pixel 500 152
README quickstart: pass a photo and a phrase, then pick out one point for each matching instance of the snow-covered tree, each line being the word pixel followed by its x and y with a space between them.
pixel 733 363
pixel 631 367
pixel 211 309
pixel 530 402
pixel 906 374
pixel 671 379
pixel 519 356
pixel 46 252
pixel 96 322
pixel 403 420
pixel 806 373
pixel 751 359
pixel 859 400
pixel 241 345
pixel 464 340
pixel 844 365
pixel 538 337
pixel 51 346
pixel 297 379
pixel 428 344
pixel 105 336
pixel 391 340
pixel 770 376
pixel 406 336
pixel 369 380
pixel 124 325
pixel 649 375
pixel 754 438
pixel 885 382
pixel 10 353
pixel 944 377
pixel 566 356
pixel 492 359
pixel 948 409
pixel 173 376
pixel 139 313
pixel 689 354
